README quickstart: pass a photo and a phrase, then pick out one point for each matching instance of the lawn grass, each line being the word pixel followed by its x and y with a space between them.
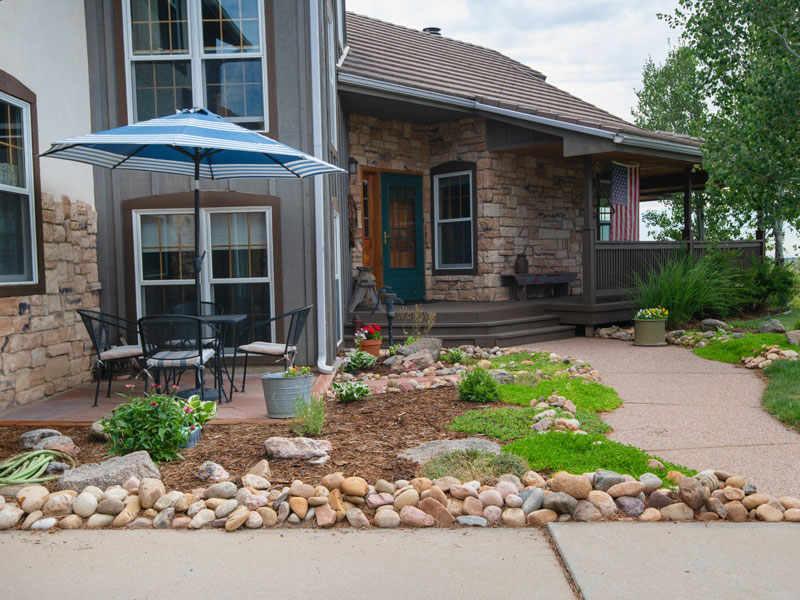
pixel 586 395
pixel 789 319
pixel 733 350
pixel 782 397
pixel 541 362
pixel 468 465
pixel 557 451
pixel 509 423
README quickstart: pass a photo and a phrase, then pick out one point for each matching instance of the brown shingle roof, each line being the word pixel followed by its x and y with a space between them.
pixel 408 57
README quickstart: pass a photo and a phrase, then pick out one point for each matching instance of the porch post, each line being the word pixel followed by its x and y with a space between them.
pixel 687 205
pixel 589 237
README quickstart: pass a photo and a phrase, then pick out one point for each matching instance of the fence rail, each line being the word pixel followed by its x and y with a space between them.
pixel 617 261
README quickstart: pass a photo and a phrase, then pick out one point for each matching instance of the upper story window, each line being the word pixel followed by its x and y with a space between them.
pixel 18 248
pixel 184 53
pixel 453 217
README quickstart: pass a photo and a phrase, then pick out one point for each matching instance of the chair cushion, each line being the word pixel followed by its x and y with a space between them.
pixel 270 348
pixel 120 352
pixel 176 359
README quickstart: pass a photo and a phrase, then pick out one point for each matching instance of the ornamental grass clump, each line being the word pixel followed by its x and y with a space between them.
pixel 478 386
pixel 350 391
pixel 158 423
pixel 309 417
pixel 453 356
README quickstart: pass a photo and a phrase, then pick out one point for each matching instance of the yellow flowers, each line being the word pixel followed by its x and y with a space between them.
pixel 657 313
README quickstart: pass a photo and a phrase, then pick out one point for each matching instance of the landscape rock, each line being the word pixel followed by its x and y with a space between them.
pixel 633 507
pixel 772 326
pixel 44 524
pixel 356 518
pixel 58 505
pixel 10 516
pixel 658 500
pixel 586 511
pixel 97 432
pixel 501 376
pixel 534 501
pixel 736 512
pixel 237 518
pixel 692 492
pixel 30 438
pixel 577 486
pixel 50 441
pixel 766 512
pixel 325 516
pixel 387 519
pixel 793 337
pixel 560 503
pixel 713 325
pixel 128 514
pixel 109 506
pixel 211 471
pixel 150 490
pixel 603 502
pixel 650 482
pixel 255 481
pixel 428 450
pixel 432 345
pixel 541 517
pixel 201 519
pixel 603 479
pixel 677 512
pixel 113 471
pixel 626 488
pixel 414 517
pixel 223 489
pixel 164 518
pixel 355 486
pixel 439 513
pixel 471 521
pixel 297 448
pixel 261 469
pixel 97 521
pixel 32 497
pixel 513 517
pixel 493 514
pixel 409 497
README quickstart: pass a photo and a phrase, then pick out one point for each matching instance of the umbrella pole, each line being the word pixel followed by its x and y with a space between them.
pixel 198 267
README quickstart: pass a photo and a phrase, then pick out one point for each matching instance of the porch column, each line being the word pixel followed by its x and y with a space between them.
pixel 589 236
pixel 687 205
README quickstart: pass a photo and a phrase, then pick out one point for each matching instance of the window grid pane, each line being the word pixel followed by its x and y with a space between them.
pixel 454 227
pixel 402 227
pixel 159 27
pixel 167 243
pixel 16 249
pixel 239 245
pixel 230 26
pixel 12 162
pixel 162 87
pixel 234 90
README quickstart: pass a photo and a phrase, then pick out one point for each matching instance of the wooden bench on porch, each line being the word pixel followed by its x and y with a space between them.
pixel 519 283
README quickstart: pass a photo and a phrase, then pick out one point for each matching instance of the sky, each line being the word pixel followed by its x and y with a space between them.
pixel 594 49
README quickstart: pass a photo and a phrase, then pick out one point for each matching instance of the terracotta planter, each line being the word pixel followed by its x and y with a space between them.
pixel 650 332
pixel 372 347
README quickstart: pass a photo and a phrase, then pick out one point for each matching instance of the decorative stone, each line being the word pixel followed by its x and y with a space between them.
pixel 113 471
pixel 426 451
pixel 224 490
pixel 534 501
pixel 31 519
pixel 10 516
pixel 97 521
pixel 387 519
pixel 356 518
pixel 439 513
pixel 373 501
pixel 131 485
pixel 164 518
pixel 97 432
pixel 461 492
pixel 650 514
pixel 541 517
pixel 211 471
pixel 414 517
pixel 355 486
pixel 237 518
pixel 713 325
pixel 577 486
pixel 659 500
pixel 30 438
pixel 141 523
pixel 150 490
pixel 772 326
pixel 180 522
pixel 268 515
pixel 493 514
pixel 32 497
pixel 261 469
pixel 650 482
pixel 303 490
pixel 633 507
pixel 678 511
pixel 533 479
pixel 326 517
pixel 491 498
pixel 561 502
pixel 736 511
pixel 603 502
pixel 792 514
pixel 255 481
pixel 717 507
pixel 297 448
pixel 513 501
pixel 110 506
pixel 299 506
pixel 586 511
pixel 692 492
pixel 768 513
pixel 128 514
pixel 58 505
pixel 44 524
pixel 603 479
pixel 409 497
pixel 626 488
pixel 202 518
pixel 226 508
pixel 471 521
pixel 513 517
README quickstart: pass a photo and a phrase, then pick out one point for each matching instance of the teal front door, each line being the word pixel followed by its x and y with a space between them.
pixel 401 220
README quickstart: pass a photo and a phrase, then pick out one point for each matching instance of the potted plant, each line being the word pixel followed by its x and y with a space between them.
pixel 368 339
pixel 198 413
pixel 283 388
pixel 650 326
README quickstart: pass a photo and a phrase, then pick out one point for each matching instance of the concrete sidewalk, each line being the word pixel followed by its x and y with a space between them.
pixel 280 563
pixel 692 411
pixel 681 560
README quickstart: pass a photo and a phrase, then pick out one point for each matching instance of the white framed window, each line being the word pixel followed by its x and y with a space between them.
pixel 237 270
pixel 18 258
pixel 337 277
pixel 184 53
pixel 332 58
pixel 453 220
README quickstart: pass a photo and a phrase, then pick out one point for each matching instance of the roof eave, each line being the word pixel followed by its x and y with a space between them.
pixel 623 141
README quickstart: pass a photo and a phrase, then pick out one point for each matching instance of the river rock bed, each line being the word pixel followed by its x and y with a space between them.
pixel 421 502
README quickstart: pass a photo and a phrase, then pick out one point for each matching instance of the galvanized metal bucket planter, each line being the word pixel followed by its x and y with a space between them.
pixel 280 392
pixel 194 437
pixel 650 332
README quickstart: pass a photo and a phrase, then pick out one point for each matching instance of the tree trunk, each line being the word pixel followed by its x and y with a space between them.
pixel 778 241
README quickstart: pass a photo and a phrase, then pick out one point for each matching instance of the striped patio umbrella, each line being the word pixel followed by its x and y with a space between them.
pixel 194 142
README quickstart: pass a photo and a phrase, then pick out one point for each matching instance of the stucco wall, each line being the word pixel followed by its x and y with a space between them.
pixel 525 204
pixel 43 44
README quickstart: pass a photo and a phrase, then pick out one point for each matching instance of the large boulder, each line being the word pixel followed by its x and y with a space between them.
pixel 297 448
pixel 793 337
pixel 431 344
pixel 428 450
pixel 713 325
pixel 30 438
pixel 414 362
pixel 114 471
pixel 772 326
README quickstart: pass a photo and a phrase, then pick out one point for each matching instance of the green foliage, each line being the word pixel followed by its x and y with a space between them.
pixel 393 349
pixel 511 423
pixel 415 321
pixel 789 320
pixel 453 356
pixel 159 424
pixel 468 465
pixel 540 362
pixel 410 340
pixel 692 287
pixel 350 391
pixel 771 284
pixel 734 349
pixel 357 360
pixel 559 451
pixel 201 411
pixel 478 386
pixel 782 397
pixel 297 372
pixel 586 395
pixel 309 417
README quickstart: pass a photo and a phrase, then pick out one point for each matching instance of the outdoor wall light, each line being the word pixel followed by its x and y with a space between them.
pixel 352 165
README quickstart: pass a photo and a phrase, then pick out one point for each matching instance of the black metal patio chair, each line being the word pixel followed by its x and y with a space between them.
pixel 247 344
pixel 190 308
pixel 170 346
pixel 103 329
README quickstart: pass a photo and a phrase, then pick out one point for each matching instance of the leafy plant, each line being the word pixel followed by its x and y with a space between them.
pixel 478 386
pixel 453 356
pixel 357 360
pixel 201 411
pixel 350 391
pixel 309 417
pixel 771 283
pixel 416 322
pixel 734 349
pixel 586 395
pixel 297 372
pixel 410 340
pixel 652 314
pixel 157 423
pixel 509 423
pixel 394 348
pixel 468 465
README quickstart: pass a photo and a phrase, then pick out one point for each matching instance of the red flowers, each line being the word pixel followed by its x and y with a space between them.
pixel 371 331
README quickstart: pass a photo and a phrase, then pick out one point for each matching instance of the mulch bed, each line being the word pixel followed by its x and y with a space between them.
pixel 366 438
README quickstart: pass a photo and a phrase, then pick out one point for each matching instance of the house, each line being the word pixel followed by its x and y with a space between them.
pixel 463 159
pixel 122 242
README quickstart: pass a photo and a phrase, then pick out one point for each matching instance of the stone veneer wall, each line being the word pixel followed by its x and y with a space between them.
pixel 526 204
pixel 44 347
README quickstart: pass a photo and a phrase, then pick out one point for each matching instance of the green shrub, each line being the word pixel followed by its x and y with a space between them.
pixel 468 465
pixel 357 360
pixel 309 417
pixel 478 386
pixel 558 451
pixel 157 423
pixel 350 391
pixel 735 349
pixel 692 287
pixel 771 284
pixel 453 356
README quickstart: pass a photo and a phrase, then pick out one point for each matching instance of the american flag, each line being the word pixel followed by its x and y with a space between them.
pixel 624 203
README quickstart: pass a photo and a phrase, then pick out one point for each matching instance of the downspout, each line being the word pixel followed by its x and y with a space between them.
pixel 319 198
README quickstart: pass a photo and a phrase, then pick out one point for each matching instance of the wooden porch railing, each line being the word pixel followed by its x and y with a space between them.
pixel 616 261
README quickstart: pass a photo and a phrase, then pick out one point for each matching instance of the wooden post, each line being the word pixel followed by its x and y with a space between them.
pixel 687 205
pixel 589 282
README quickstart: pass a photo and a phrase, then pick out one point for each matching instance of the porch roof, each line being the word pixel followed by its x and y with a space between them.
pixel 394 62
